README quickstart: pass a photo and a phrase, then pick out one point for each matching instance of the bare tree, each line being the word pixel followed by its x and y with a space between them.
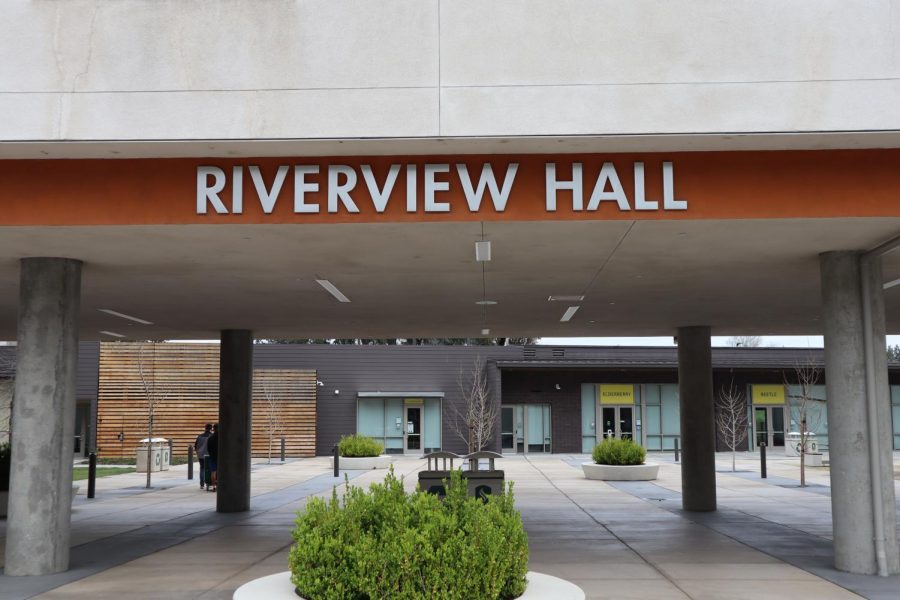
pixel 273 425
pixel 731 418
pixel 745 341
pixel 807 375
pixel 475 425
pixel 153 395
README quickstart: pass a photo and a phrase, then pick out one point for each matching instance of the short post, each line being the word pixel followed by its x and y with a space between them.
pixel 282 449
pixel 762 459
pixel 190 462
pixel 92 474
pixel 336 463
pixel 676 450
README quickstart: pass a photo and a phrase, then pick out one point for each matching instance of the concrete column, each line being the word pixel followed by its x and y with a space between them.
pixel 698 430
pixel 43 417
pixel 852 490
pixel 235 408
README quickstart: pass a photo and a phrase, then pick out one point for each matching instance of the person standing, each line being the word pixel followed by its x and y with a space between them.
pixel 212 447
pixel 200 445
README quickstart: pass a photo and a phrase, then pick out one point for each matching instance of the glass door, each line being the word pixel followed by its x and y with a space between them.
pixel 618 421
pixel 777 421
pixel 768 424
pixel 761 425
pixel 508 429
pixel 413 437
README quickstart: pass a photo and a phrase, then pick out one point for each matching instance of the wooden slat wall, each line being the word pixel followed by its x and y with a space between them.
pixel 185 378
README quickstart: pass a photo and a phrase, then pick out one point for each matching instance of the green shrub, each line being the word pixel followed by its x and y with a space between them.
pixel 385 543
pixel 359 446
pixel 5 458
pixel 613 451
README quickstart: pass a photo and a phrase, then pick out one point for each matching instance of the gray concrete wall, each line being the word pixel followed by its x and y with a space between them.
pixel 169 70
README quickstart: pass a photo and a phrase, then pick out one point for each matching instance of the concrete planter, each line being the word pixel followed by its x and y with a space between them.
pixel 813 459
pixel 364 463
pixel 644 472
pixel 279 587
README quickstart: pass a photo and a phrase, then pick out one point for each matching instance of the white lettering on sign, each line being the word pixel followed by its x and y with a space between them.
pixel 343 193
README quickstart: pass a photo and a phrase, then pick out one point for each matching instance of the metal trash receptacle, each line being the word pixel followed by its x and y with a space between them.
pixel 792 443
pixel 158 448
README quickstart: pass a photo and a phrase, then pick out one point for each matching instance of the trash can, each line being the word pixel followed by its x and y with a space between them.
pixel 158 448
pixel 792 443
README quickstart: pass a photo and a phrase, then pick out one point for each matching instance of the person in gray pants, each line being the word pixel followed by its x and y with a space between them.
pixel 200 445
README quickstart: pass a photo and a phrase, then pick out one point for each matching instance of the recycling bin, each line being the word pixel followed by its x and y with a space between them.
pixel 159 455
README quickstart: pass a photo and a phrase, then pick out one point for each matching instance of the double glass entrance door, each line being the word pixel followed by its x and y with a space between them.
pixel 525 428
pixel 768 425
pixel 617 421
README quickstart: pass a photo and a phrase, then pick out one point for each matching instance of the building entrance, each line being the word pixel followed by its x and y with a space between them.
pixel 525 428
pixel 768 426
pixel 617 421
pixel 412 440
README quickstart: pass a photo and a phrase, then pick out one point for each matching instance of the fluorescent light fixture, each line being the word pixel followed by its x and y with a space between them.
pixel 891 284
pixel 565 298
pixel 124 316
pixel 112 334
pixel 485 332
pixel 482 251
pixel 333 290
pixel 570 312
pixel 486 302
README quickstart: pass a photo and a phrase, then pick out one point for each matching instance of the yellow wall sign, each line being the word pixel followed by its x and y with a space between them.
pixel 616 393
pixel 768 394
pixel 414 402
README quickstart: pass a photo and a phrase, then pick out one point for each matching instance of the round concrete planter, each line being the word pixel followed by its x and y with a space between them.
pixel 644 472
pixel 364 463
pixel 279 587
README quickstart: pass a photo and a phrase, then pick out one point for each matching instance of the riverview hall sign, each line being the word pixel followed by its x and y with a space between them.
pixel 432 187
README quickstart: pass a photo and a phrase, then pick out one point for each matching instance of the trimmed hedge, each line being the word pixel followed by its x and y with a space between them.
pixel 613 451
pixel 385 543
pixel 357 446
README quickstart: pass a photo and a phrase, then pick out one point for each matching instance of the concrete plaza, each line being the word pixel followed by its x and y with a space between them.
pixel 627 540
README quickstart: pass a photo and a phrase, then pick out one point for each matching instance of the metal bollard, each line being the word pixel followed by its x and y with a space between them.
pixel 92 474
pixel 337 471
pixel 190 462
pixel 676 450
pixel 282 449
pixel 762 460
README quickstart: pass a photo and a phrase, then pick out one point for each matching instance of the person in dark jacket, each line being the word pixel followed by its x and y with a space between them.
pixel 203 455
pixel 212 446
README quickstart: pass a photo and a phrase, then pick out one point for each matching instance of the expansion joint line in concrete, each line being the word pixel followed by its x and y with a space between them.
pixel 662 573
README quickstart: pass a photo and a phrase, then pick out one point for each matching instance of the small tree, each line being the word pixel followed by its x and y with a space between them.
pixel 273 425
pixel 153 395
pixel 475 425
pixel 807 375
pixel 731 418
pixel 745 341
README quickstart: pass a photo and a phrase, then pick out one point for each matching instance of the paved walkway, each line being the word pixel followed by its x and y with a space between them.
pixel 622 541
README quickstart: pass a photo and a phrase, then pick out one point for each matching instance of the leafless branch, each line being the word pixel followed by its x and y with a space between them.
pixel 806 375
pixel 476 423
pixel 731 418
pixel 273 425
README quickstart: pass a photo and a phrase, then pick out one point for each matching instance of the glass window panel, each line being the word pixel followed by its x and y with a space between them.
pixel 895 394
pixel 394 421
pixel 608 422
pixel 432 423
pixel 671 424
pixel 626 422
pixel 896 415
pixel 652 423
pixel 547 434
pixel 535 424
pixel 370 417
pixel 654 442
pixel 651 393
pixel 588 410
pixel 588 443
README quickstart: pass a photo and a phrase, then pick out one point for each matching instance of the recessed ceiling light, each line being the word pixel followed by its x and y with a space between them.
pixel 486 302
pixel 485 332
pixel 124 316
pixel 483 251
pixel 570 312
pixel 112 334
pixel 891 284
pixel 565 298
pixel 333 290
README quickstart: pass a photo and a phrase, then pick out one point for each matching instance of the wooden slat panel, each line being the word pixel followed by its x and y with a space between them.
pixel 185 379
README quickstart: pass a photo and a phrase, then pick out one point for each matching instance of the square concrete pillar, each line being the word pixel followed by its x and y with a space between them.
pixel 43 417
pixel 698 429
pixel 861 460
